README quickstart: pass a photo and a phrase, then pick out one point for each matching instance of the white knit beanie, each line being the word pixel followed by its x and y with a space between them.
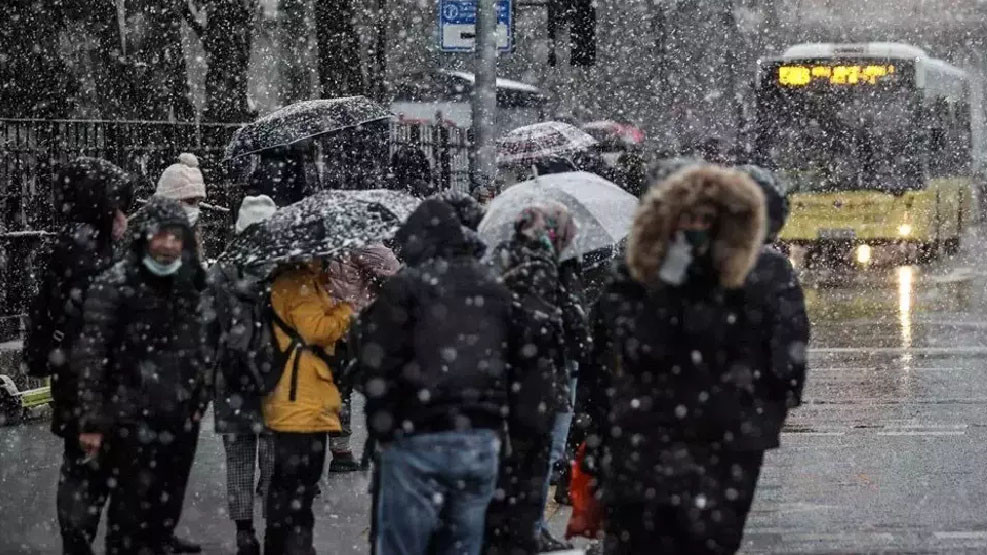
pixel 182 180
pixel 254 210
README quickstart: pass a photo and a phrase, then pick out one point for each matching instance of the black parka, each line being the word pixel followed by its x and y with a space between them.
pixel 435 350
pixel 674 372
pixel 90 191
pixel 140 356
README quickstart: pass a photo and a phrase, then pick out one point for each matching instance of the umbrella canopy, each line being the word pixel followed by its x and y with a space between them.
pixel 602 210
pixel 323 225
pixel 542 140
pixel 607 131
pixel 304 120
pixel 400 203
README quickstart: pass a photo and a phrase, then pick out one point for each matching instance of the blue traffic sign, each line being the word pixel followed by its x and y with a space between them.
pixel 457 25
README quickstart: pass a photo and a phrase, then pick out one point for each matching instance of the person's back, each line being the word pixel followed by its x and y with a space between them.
pixel 435 350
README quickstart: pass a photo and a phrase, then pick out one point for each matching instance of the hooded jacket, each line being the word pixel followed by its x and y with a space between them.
pixel 140 357
pixel 776 310
pixel 91 191
pixel 306 399
pixel 435 349
pixel 672 364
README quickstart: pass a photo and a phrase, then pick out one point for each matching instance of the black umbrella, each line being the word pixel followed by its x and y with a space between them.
pixel 323 225
pixel 302 121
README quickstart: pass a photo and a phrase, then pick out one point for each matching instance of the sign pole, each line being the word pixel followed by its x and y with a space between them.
pixel 485 94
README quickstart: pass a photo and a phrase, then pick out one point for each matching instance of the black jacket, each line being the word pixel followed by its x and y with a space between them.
pixel 92 189
pixel 549 317
pixel 140 356
pixel 435 349
pixel 676 372
pixel 235 412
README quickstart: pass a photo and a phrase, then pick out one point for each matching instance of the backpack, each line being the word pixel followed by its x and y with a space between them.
pixel 249 358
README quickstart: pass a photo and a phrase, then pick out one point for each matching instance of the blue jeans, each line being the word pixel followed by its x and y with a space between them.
pixel 560 434
pixel 433 491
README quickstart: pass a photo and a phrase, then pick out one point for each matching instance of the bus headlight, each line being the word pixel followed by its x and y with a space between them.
pixel 905 230
pixel 864 254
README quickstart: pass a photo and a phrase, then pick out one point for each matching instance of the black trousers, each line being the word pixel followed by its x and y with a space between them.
pixel 298 463
pixel 513 516
pixel 82 492
pixel 710 520
pixel 186 456
pixel 150 470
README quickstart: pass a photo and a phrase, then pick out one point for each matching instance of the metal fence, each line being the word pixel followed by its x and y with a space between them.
pixel 31 152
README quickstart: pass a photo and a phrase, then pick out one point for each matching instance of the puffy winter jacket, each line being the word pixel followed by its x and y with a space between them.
pixel 140 356
pixel 306 398
pixel 437 350
pixel 93 189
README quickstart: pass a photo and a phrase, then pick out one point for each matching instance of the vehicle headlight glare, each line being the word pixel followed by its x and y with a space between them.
pixel 864 254
pixel 905 230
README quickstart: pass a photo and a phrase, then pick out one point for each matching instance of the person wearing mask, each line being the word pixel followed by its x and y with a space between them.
pixel 775 308
pixel 435 354
pixel 141 369
pixel 529 267
pixel 94 195
pixel 247 442
pixel 309 318
pixel 674 371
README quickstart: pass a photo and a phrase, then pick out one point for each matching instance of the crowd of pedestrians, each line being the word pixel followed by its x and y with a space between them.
pixel 482 369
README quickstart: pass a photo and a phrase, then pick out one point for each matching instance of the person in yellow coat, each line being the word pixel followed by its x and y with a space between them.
pixel 303 410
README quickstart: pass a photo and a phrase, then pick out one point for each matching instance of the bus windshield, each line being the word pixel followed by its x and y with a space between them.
pixel 838 139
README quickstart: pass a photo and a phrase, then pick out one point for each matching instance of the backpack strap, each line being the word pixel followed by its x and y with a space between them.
pixel 297 343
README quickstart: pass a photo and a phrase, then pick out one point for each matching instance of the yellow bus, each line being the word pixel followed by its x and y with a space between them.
pixel 875 142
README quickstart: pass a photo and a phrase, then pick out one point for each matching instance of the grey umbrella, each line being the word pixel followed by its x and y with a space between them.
pixel 304 120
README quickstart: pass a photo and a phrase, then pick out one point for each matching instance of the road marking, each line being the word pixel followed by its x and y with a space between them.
pixel 824 434
pixel 921 351
pixel 921 433
pixel 961 535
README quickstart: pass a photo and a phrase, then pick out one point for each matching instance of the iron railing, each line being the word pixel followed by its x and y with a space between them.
pixel 31 152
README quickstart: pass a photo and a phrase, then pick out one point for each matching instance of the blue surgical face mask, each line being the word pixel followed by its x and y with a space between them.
pixel 159 269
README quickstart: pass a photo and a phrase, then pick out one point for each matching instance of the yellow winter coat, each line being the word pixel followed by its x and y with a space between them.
pixel 301 300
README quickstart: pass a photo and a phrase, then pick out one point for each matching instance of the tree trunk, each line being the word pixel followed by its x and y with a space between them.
pixel 226 39
pixel 292 42
pixel 34 81
pixel 156 61
pixel 340 69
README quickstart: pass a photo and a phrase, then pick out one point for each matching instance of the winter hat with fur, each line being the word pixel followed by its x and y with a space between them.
pixel 182 180
pixel 254 210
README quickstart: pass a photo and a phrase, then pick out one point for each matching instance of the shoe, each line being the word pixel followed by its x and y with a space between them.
pixel 546 543
pixel 343 461
pixel 246 543
pixel 176 545
pixel 562 496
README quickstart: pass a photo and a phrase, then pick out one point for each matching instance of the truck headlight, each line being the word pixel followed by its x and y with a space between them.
pixel 905 230
pixel 864 254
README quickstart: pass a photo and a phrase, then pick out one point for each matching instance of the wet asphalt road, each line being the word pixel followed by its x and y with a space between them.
pixel 888 454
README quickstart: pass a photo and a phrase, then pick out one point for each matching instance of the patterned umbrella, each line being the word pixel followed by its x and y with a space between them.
pixel 612 131
pixel 323 225
pixel 304 120
pixel 550 139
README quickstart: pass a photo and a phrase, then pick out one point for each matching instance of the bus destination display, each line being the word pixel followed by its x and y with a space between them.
pixel 840 75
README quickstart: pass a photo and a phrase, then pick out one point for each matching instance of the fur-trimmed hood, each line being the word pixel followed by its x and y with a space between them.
pixel 739 231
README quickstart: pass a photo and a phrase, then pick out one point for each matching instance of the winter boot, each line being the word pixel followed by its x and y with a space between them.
pixel 246 543
pixel 343 461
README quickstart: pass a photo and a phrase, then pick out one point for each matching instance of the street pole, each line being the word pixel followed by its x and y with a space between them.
pixel 485 94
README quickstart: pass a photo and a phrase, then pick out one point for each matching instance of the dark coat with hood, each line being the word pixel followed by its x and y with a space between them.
pixel 672 373
pixel 435 349
pixel 140 356
pixel 776 311
pixel 91 191
pixel 549 317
